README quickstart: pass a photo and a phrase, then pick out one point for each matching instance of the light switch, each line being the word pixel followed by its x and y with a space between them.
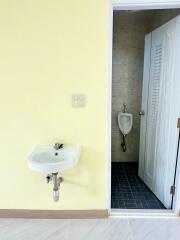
pixel 78 100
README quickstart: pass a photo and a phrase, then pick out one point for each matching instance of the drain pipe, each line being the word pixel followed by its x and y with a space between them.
pixel 123 144
pixel 56 182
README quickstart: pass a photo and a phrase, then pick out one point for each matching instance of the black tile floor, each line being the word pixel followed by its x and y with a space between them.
pixel 128 191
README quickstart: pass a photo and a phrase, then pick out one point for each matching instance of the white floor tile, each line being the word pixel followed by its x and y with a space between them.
pixel 95 229
pixel 107 229
pixel 152 229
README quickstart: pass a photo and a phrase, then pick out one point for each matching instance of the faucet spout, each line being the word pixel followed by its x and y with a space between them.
pixel 57 146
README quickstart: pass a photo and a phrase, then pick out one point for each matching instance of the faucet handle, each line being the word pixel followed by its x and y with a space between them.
pixel 48 178
pixel 58 146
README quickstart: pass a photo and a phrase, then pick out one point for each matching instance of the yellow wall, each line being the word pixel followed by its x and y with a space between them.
pixel 48 51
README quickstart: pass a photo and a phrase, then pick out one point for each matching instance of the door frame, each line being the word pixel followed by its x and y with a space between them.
pixel 136 5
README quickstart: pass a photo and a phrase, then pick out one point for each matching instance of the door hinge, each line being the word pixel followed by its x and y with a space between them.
pixel 178 123
pixel 172 189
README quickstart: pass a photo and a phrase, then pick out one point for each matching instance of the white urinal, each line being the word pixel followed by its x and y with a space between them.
pixel 125 122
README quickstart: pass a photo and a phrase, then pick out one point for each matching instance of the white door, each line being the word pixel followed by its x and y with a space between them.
pixel 161 103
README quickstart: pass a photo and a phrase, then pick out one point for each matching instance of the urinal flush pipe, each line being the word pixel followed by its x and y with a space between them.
pixel 124 108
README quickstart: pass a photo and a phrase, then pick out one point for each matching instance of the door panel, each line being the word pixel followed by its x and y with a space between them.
pixel 144 104
pixel 153 102
pixel 169 104
pixel 162 112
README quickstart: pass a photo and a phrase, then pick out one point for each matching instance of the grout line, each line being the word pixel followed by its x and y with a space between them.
pixel 127 179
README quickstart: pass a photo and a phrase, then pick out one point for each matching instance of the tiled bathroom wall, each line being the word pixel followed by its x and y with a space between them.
pixel 160 17
pixel 128 51
pixel 129 30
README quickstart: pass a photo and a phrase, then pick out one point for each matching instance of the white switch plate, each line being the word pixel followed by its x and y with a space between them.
pixel 78 100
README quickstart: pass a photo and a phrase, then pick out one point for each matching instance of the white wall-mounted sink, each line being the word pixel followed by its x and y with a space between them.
pixel 46 159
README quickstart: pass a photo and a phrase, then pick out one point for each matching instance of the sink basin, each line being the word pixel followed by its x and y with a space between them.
pixel 45 159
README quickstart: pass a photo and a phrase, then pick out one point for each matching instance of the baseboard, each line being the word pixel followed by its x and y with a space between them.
pixel 53 214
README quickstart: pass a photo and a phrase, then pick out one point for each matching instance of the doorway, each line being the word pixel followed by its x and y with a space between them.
pixel 131 153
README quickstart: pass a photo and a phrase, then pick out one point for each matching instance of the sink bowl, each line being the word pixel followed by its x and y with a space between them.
pixel 45 159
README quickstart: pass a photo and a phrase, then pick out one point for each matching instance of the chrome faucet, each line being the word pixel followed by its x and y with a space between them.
pixel 57 146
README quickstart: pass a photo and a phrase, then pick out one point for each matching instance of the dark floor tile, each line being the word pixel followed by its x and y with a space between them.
pixel 129 191
pixel 139 196
pixel 114 203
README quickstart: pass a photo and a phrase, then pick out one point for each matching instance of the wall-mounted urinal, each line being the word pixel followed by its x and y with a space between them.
pixel 125 122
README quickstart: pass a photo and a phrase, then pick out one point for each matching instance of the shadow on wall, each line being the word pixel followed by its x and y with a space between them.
pixel 84 174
